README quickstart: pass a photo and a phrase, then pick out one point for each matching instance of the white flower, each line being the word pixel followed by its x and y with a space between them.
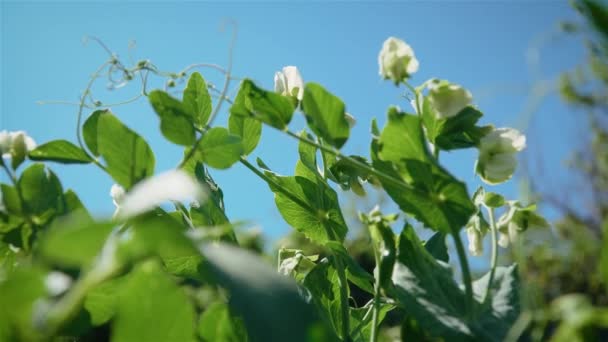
pixel 498 155
pixel 448 99
pixel 117 193
pixel 288 82
pixel 16 143
pixel 396 60
pixel 57 283
pixel 503 239
pixel 475 241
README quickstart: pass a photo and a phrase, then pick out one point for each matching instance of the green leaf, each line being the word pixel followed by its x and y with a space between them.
pixel 269 107
pixel 325 114
pixel 101 302
pixel 217 324
pixel 270 304
pixel 153 308
pixel 175 118
pixel 454 132
pixel 361 321
pixel 311 208
pixel 128 157
pixel 426 290
pixel 73 204
pixel 89 131
pixel 73 242
pixel 355 273
pixel 41 192
pixel 11 200
pixel 197 100
pixel 426 190
pixel 61 151
pixel 249 129
pixel 323 284
pixel 437 248
pixel 220 149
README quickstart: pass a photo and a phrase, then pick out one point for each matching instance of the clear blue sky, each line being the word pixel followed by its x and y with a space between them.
pixel 481 45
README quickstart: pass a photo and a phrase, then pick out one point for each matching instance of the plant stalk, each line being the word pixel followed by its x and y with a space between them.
pixel 494 258
pixel 376 307
pixel 466 274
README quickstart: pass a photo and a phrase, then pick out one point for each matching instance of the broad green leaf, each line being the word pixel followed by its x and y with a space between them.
pixel 128 157
pixel 101 302
pixel 426 290
pixel 197 100
pixel 270 304
pixel 73 242
pixel 323 284
pixel 74 205
pixel 61 151
pixel 153 308
pixel 175 118
pixel 249 129
pixel 269 107
pixel 361 321
pixel 217 324
pixel 455 132
pixel 325 114
pixel 89 131
pixel 437 248
pixel 354 272
pixel 220 149
pixel 311 208
pixel 421 187
pixel 42 193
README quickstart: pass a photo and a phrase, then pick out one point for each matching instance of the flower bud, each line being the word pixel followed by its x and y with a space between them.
pixel 448 99
pixel 117 193
pixel 288 82
pixel 498 155
pixel 396 60
pixel 20 145
pixel 5 143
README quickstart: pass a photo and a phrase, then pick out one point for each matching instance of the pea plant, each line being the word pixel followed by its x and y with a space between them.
pixel 167 265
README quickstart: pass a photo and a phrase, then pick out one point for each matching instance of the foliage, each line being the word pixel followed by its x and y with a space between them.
pixel 158 272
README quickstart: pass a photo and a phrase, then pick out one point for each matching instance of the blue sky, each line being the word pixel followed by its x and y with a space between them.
pixel 481 45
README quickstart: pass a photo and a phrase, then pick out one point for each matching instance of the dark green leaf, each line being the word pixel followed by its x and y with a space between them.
pixel 220 149
pixel 269 107
pixel 128 157
pixel 361 321
pixel 421 188
pixel 217 324
pixel 325 114
pixel 455 132
pixel 175 118
pixel 153 308
pixel 101 302
pixel 197 100
pixel 269 303
pixel 11 200
pixel 355 273
pixel 61 151
pixel 437 248
pixel 249 129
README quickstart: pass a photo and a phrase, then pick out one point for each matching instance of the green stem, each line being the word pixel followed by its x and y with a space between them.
pixel 493 262
pixel 344 307
pixel 466 274
pixel 376 310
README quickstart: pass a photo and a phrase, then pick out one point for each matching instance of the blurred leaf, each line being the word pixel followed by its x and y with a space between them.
pixel 197 100
pixel 42 192
pixel 61 151
pixel 153 308
pixel 325 114
pixel 269 107
pixel 101 302
pixel 217 324
pixel 11 200
pixel 437 247
pixel 175 118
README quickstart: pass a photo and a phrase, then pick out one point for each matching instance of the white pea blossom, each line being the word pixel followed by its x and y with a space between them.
pixel 475 241
pixel 57 283
pixel 288 82
pixel 17 143
pixel 498 155
pixel 117 193
pixel 448 99
pixel 397 60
